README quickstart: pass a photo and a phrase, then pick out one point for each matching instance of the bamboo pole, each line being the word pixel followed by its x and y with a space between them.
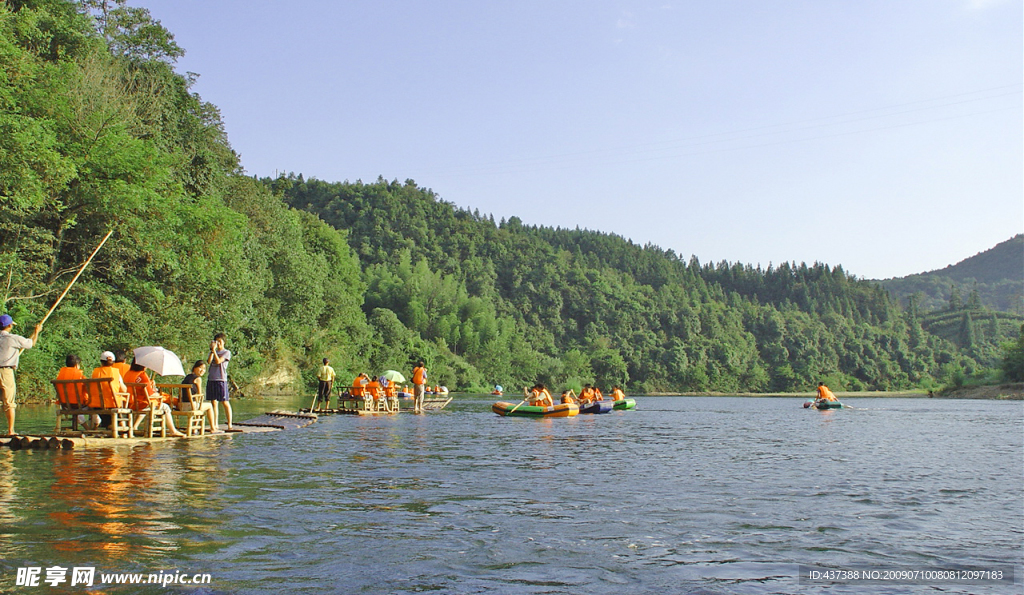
pixel 77 275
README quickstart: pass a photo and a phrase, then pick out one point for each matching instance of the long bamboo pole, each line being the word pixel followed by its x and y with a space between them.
pixel 77 275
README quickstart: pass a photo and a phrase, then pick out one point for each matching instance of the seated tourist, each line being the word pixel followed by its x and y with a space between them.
pixel 373 389
pixel 195 379
pixel 72 370
pixel 141 396
pixel 568 397
pixel 106 369
pixel 540 397
pixel 359 385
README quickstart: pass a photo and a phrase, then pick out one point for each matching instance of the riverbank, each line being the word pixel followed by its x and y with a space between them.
pixel 903 394
pixel 1002 392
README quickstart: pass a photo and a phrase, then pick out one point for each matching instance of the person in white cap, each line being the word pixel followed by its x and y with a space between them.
pixel 11 347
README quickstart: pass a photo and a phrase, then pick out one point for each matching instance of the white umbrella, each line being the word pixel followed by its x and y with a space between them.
pixel 160 360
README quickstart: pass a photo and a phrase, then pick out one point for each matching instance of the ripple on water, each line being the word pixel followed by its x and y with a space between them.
pixel 684 495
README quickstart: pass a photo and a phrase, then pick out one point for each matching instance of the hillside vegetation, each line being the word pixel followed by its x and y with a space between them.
pixel 98 132
pixel 993 278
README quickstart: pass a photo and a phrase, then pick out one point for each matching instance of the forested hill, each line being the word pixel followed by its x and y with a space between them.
pixel 569 305
pixel 98 133
pixel 994 278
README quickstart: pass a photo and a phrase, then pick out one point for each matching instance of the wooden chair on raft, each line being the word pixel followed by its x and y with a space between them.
pixel 154 412
pixel 87 397
pixel 190 406
pixel 359 398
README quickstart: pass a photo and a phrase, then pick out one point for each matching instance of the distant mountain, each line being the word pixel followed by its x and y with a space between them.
pixel 993 278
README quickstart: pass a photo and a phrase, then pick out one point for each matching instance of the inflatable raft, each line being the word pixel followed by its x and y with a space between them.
pixel 823 405
pixel 566 410
pixel 624 404
pixel 597 407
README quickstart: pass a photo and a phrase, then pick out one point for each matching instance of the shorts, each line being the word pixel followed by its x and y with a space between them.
pixel 217 390
pixel 8 389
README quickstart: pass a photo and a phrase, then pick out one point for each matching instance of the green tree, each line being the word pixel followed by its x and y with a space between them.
pixel 1013 358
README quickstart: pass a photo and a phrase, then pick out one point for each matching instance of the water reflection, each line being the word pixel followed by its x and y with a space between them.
pixel 103 499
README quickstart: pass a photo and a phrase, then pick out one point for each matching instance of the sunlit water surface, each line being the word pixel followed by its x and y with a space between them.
pixel 683 495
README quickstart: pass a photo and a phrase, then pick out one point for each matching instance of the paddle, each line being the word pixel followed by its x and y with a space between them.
pixel 526 392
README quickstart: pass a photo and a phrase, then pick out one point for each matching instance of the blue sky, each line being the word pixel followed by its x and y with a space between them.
pixel 883 136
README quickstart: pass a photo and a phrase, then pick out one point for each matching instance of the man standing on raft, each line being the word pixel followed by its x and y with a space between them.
pixel 326 377
pixel 419 381
pixel 10 351
pixel 217 389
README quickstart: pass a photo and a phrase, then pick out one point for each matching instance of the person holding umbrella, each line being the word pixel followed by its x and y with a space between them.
pixel 141 397
pixel 11 347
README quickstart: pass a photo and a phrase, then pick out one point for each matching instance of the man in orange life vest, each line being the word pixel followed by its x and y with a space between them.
pixel 419 381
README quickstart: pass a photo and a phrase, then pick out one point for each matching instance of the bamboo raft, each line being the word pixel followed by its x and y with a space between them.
pixel 356 407
pixel 273 421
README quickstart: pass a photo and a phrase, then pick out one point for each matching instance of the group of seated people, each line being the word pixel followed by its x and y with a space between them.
pixel 143 391
pixel 539 395
pixel 371 388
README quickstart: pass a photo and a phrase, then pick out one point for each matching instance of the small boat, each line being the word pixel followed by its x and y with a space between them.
pixel 823 405
pixel 597 407
pixel 561 410
pixel 623 404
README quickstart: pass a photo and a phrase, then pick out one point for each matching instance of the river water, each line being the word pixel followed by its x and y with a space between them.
pixel 700 495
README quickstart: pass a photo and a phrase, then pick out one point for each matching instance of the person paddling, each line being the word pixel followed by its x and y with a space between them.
pixel 824 394
pixel 540 397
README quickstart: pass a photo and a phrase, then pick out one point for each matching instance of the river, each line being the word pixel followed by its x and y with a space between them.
pixel 702 495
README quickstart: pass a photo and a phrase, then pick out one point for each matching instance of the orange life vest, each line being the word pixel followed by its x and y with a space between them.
pixel 70 374
pixel 419 375
pixel 139 394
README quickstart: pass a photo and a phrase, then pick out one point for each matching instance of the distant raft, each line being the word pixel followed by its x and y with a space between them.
pixel 510 409
pixel 597 407
pixel 623 404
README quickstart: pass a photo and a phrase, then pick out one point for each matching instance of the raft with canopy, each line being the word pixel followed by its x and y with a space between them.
pixel 510 409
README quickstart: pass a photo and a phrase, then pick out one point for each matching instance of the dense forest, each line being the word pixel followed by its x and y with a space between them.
pixel 98 132
pixel 574 305
pixel 993 278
